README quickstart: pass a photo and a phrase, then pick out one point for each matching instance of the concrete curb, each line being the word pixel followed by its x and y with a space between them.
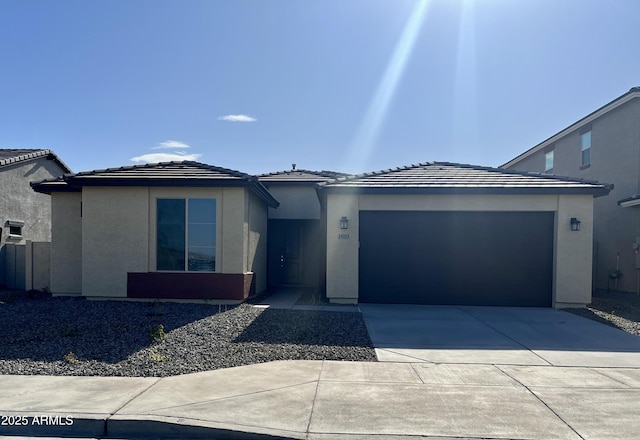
pixel 53 425
pixel 178 427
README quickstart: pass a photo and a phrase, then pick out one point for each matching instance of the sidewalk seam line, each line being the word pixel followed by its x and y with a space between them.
pixel 610 377
pixel 108 418
pixel 233 397
pixel 413 368
pixel 507 336
pixel 313 402
pixel 544 403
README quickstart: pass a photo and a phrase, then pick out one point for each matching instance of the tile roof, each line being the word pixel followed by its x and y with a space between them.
pixel 446 177
pixel 183 173
pixel 10 156
pixel 299 176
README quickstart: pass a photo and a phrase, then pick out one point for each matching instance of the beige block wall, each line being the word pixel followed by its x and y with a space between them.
pixel 572 250
pixel 296 203
pixel 66 243
pixel 115 238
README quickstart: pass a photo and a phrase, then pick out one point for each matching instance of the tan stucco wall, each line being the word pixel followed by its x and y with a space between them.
pixel 117 234
pixel 342 249
pixel 234 253
pixel 66 243
pixel 296 203
pixel 615 158
pixel 115 238
pixel 572 250
pixel 241 228
pixel 156 193
pixel 257 241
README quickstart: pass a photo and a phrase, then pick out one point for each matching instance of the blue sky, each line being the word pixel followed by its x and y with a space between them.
pixel 344 85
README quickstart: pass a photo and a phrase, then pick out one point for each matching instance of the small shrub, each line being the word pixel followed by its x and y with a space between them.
pixel 71 358
pixel 157 333
pixel 157 356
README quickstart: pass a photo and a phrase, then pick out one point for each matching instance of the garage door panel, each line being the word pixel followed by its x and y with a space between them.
pixel 478 258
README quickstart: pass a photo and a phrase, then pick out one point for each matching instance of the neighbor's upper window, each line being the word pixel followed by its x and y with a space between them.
pixel 186 234
pixel 548 161
pixel 585 147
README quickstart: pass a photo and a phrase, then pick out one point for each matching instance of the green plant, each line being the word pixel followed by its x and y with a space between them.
pixel 71 358
pixel 157 333
pixel 157 356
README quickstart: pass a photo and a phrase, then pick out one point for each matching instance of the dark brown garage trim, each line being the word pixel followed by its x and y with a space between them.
pixel 228 286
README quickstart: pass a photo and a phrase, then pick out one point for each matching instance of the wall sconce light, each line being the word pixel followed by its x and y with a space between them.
pixel 575 224
pixel 344 223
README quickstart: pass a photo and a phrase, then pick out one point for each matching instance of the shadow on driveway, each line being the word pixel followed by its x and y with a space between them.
pixel 496 335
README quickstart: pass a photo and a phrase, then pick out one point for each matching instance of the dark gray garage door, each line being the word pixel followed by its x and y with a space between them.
pixel 472 258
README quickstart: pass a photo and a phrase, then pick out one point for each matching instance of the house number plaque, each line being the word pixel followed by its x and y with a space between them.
pixel 343 236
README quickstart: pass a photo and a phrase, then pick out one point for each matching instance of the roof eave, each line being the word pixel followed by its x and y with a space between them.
pixel 622 99
pixel 629 201
pixel 36 155
pixel 461 190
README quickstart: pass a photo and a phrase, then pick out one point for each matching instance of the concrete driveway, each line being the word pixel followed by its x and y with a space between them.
pixel 496 335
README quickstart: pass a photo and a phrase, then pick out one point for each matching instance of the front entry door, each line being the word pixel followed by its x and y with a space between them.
pixel 285 252
pixel 290 264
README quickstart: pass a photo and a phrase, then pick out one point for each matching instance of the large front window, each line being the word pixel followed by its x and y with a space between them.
pixel 186 234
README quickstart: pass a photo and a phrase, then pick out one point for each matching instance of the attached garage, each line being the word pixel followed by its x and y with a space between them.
pixel 449 257
pixel 443 233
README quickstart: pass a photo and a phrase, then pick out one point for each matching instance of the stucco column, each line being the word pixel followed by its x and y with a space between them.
pixel 573 252
pixel 342 249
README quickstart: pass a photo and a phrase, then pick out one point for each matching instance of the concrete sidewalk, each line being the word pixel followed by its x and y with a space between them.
pixel 333 400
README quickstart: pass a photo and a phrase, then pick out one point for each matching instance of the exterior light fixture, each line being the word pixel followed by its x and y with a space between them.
pixel 344 223
pixel 575 224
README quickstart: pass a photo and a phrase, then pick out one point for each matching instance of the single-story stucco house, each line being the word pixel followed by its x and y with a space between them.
pixel 430 233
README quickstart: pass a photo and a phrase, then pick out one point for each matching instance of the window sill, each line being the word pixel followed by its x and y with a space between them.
pixel 14 237
pixel 584 167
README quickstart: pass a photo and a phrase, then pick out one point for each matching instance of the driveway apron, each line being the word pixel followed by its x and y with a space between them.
pixel 496 335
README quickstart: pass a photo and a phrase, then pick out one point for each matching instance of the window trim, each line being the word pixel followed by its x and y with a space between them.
pixel 186 199
pixel 584 164
pixel 13 233
pixel 550 151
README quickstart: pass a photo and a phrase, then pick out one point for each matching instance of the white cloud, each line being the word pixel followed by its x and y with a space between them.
pixel 164 157
pixel 170 144
pixel 237 118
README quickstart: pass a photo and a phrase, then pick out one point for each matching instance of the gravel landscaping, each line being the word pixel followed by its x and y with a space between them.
pixel 73 336
pixel 617 309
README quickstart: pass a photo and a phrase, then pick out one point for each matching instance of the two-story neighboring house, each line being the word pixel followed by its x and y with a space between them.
pixel 602 146
pixel 25 216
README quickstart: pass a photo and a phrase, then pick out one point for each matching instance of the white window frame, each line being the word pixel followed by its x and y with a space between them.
pixel 547 155
pixel 585 147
